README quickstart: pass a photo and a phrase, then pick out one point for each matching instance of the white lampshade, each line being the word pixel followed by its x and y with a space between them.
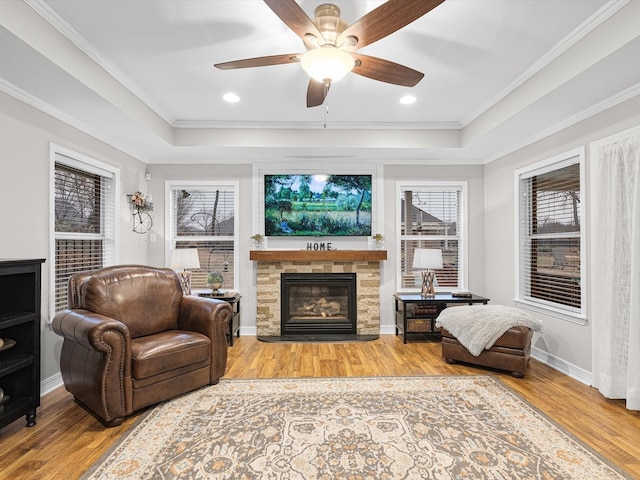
pixel 183 258
pixel 327 64
pixel 427 258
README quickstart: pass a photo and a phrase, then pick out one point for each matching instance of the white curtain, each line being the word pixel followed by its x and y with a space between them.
pixel 615 267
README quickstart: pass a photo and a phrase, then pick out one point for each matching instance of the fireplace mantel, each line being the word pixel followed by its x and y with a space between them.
pixel 317 255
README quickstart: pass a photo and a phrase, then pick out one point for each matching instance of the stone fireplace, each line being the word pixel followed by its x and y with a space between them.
pixel 271 264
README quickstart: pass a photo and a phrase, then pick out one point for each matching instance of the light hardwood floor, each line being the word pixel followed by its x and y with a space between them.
pixel 66 440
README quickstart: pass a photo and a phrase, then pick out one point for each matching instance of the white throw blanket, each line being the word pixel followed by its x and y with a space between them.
pixel 478 327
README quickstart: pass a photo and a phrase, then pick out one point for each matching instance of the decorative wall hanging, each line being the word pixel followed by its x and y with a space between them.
pixel 142 221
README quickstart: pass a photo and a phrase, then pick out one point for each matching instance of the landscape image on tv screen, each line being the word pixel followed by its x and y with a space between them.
pixel 317 205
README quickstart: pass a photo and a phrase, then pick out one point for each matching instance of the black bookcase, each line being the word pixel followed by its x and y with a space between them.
pixel 20 331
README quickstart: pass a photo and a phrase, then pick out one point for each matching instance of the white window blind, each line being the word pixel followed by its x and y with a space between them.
pixel 84 222
pixel 431 217
pixel 550 269
pixel 204 217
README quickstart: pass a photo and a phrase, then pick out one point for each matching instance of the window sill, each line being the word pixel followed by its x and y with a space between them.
pixel 565 315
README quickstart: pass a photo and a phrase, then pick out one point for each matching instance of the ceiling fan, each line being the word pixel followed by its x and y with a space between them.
pixel 332 45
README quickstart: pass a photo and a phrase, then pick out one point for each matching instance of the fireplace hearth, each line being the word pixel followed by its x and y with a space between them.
pixel 318 304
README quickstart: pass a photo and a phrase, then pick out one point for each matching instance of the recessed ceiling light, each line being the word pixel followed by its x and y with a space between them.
pixel 231 97
pixel 408 100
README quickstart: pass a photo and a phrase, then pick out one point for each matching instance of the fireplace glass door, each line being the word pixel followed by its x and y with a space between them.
pixel 318 303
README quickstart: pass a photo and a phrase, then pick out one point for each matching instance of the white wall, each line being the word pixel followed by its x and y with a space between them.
pixel 244 173
pixel 239 172
pixel 564 345
pixel 26 133
pixel 25 136
pixel 473 175
pixel 24 181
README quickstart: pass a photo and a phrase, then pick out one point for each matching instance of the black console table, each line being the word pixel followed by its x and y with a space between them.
pixel 417 314
pixel 233 298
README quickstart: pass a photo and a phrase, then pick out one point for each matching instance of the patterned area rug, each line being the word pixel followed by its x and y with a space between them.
pixel 445 428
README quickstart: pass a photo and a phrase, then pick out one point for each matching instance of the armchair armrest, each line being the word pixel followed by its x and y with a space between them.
pixel 95 361
pixel 88 329
pixel 211 318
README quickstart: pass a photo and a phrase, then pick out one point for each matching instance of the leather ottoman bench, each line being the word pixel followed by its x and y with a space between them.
pixel 496 336
pixel 510 352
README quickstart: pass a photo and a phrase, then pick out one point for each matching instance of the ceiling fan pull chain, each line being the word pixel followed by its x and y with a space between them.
pixel 326 112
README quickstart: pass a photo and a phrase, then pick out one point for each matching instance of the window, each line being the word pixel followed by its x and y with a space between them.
pixel 433 215
pixel 203 216
pixel 550 235
pixel 84 219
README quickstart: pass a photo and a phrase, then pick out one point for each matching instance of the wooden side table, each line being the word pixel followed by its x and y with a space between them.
pixel 417 314
pixel 233 298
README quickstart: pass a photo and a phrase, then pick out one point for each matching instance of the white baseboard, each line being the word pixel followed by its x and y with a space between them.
pixel 248 331
pixel 577 373
pixel 49 384
pixel 554 362
pixel 561 365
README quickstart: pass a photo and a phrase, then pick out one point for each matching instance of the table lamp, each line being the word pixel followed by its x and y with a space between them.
pixel 181 259
pixel 427 259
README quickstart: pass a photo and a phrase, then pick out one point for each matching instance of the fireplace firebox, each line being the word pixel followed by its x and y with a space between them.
pixel 318 303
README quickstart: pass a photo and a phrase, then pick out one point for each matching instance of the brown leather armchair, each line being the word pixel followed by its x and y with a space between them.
pixel 131 339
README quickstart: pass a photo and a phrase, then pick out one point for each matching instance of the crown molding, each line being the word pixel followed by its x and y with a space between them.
pixel 47 108
pixel 42 8
pixel 54 112
pixel 594 109
pixel 577 34
pixel 205 124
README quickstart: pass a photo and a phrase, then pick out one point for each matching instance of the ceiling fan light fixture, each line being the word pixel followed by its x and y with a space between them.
pixel 329 23
pixel 327 64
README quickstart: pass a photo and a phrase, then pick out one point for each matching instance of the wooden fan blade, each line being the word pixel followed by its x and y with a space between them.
pixel 294 17
pixel 386 19
pixel 316 93
pixel 260 61
pixel 386 71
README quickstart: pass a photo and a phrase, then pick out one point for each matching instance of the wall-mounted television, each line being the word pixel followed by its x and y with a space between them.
pixel 317 205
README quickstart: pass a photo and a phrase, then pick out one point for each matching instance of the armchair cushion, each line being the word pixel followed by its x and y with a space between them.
pixel 166 351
